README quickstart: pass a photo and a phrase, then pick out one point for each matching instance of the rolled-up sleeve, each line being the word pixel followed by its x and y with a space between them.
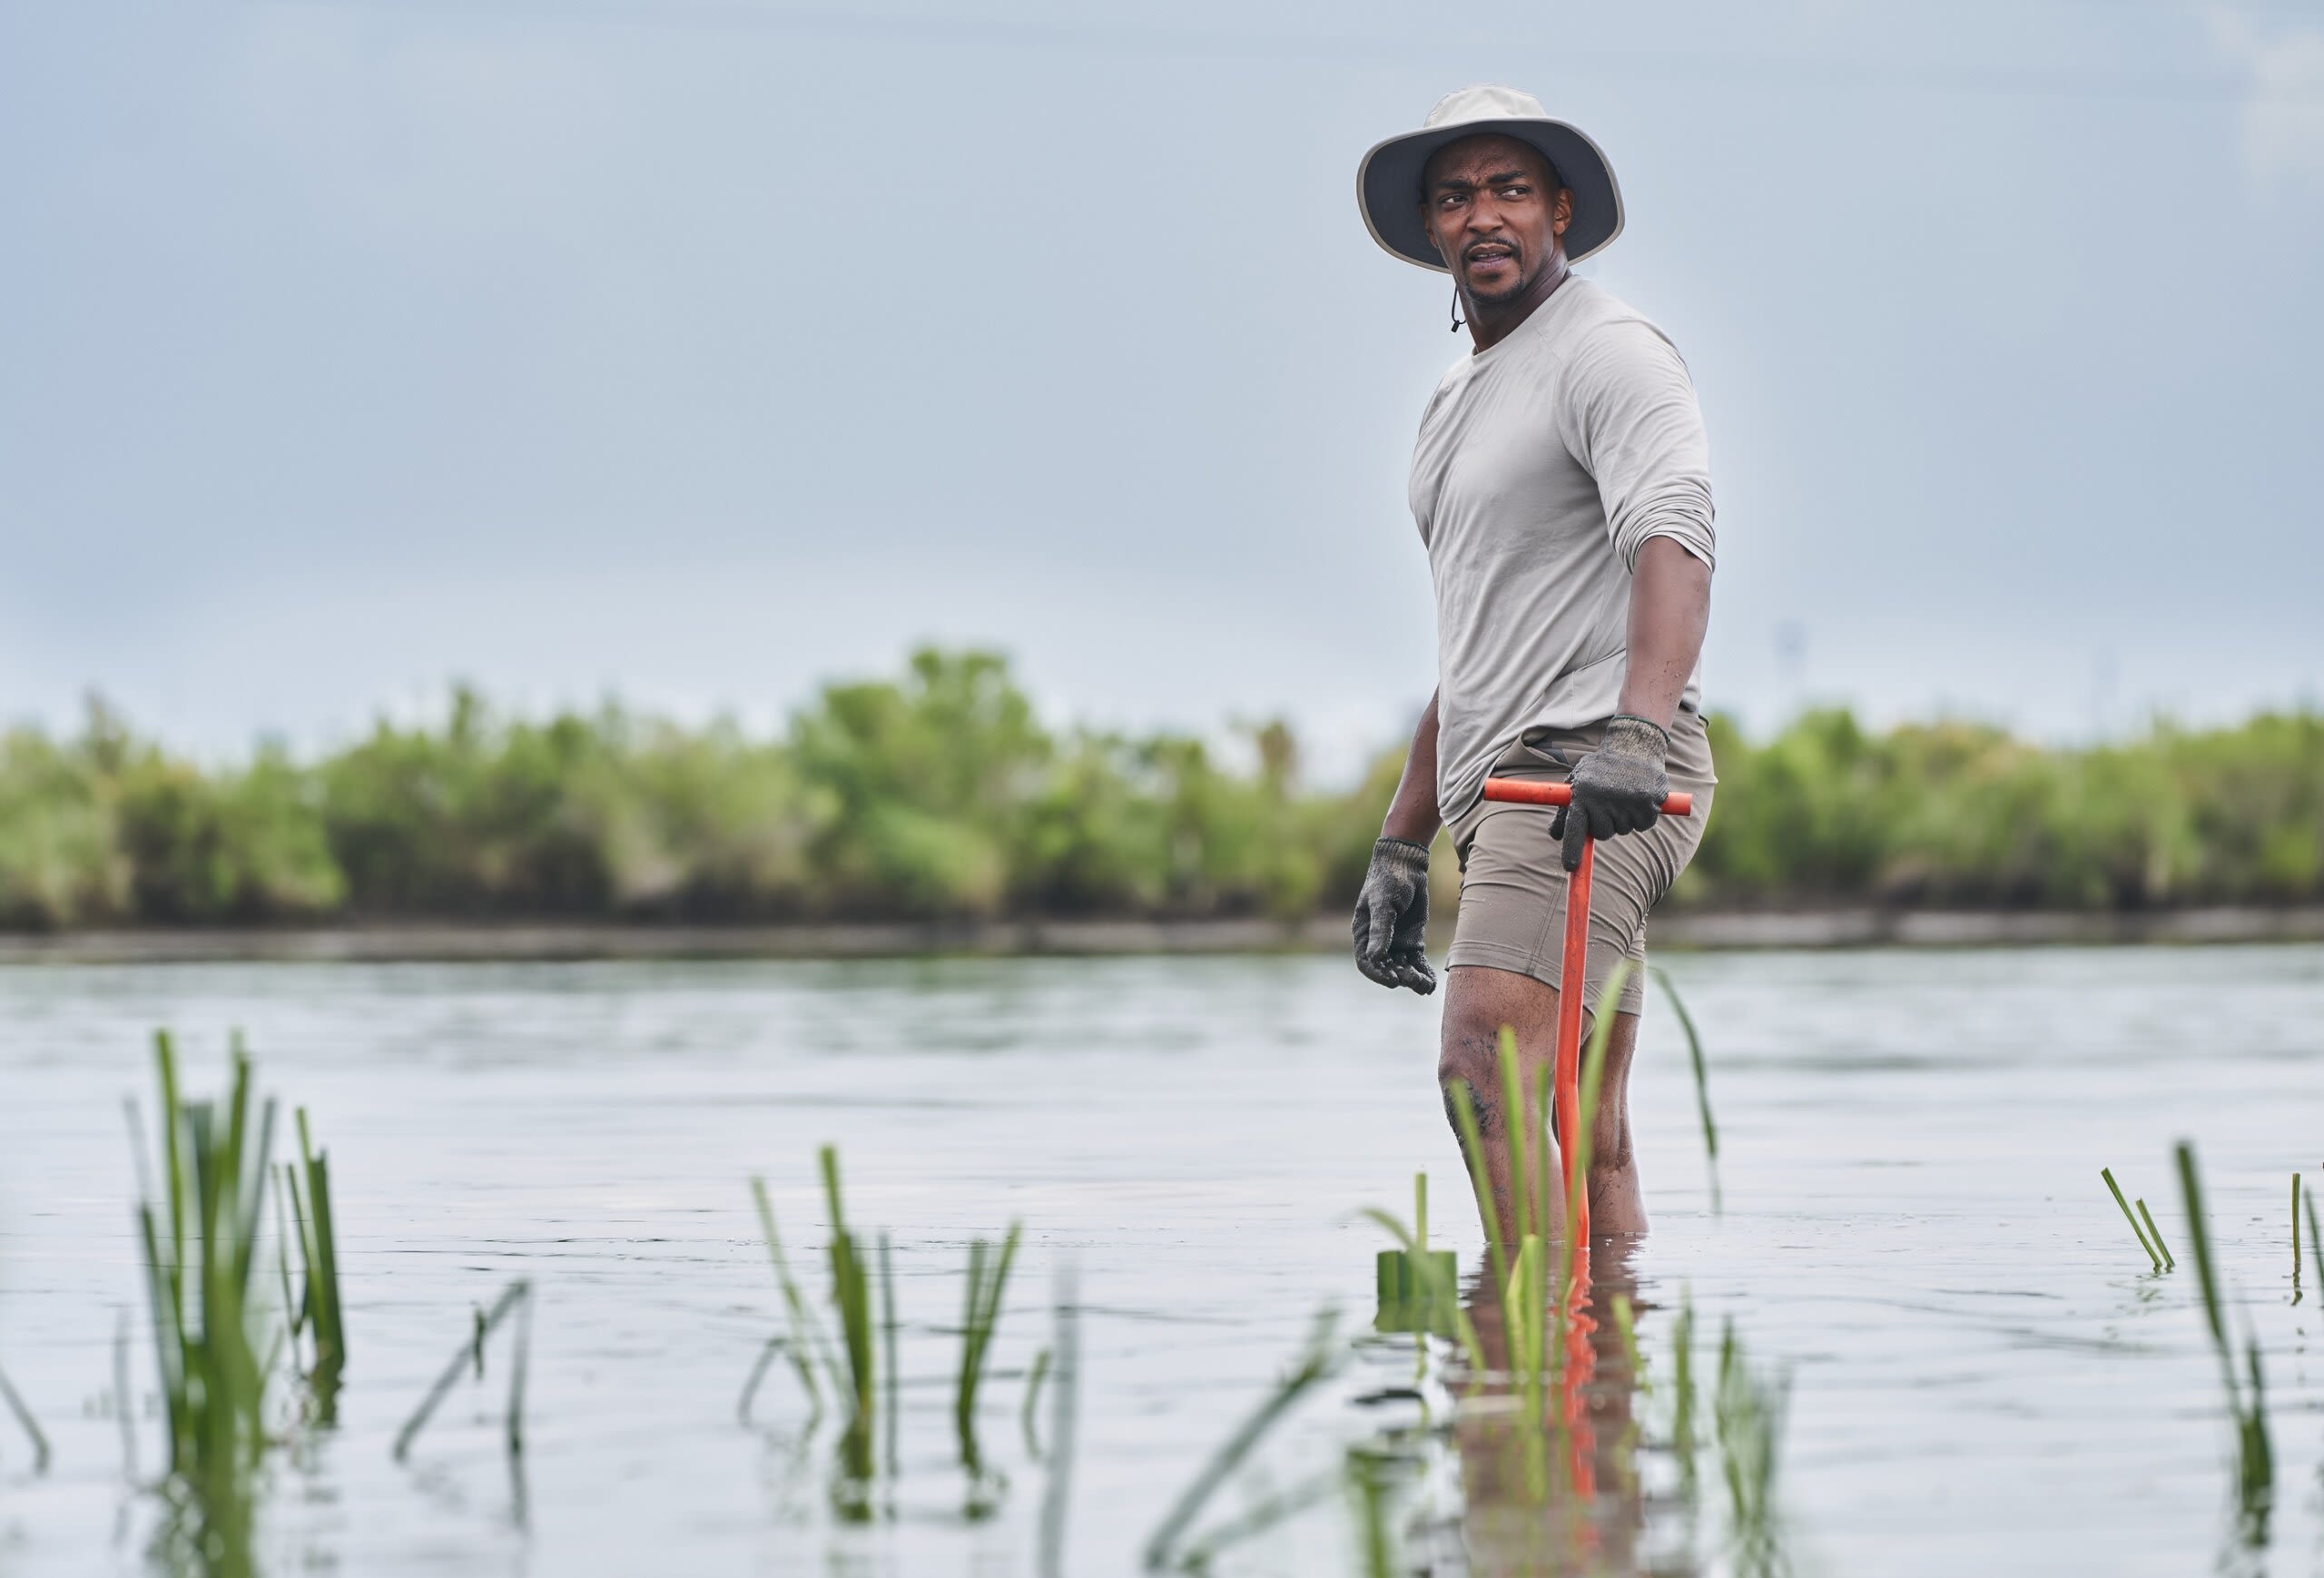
pixel 1631 418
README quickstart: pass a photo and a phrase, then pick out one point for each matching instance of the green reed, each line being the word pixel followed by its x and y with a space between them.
pixel 2254 1455
pixel 852 1301
pixel 987 1279
pixel 2295 1237
pixel 516 1300
pixel 1515 1123
pixel 317 1309
pixel 2155 1233
pixel 804 1346
pixel 30 1425
pixel 1318 1362
pixel 199 1233
pixel 1472 1151
pixel 1702 1079
pixel 2115 1190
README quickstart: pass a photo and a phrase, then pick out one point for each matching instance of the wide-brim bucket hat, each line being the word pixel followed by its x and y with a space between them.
pixel 1388 181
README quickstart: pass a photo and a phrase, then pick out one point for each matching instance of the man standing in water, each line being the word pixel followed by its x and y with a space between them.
pixel 1561 486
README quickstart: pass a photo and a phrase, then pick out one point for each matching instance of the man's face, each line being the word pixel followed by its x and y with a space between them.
pixel 1495 212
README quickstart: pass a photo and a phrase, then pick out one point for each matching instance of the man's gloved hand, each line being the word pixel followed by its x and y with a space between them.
pixel 1617 788
pixel 1392 914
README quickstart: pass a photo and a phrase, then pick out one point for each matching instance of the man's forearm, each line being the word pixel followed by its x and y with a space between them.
pixel 1669 611
pixel 1412 814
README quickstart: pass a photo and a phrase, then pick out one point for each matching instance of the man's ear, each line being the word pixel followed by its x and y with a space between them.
pixel 1561 210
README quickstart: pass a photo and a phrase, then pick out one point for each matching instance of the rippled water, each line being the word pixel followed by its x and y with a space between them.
pixel 1983 1377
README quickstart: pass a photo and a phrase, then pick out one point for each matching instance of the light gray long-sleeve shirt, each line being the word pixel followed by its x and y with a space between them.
pixel 1544 464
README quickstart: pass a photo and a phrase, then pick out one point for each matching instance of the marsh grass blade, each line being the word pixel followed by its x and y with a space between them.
pixel 988 1281
pixel 2155 1233
pixel 30 1425
pixel 198 1232
pixel 768 1354
pixel 852 1299
pixel 468 1358
pixel 1695 1061
pixel 319 1243
pixel 1514 1126
pixel 1036 1377
pixel 2140 1233
pixel 1473 1151
pixel 2295 1237
pixel 806 1348
pixel 2254 1454
pixel 1269 1510
pixel 1318 1362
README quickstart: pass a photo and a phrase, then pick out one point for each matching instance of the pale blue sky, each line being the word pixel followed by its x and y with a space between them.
pixel 698 351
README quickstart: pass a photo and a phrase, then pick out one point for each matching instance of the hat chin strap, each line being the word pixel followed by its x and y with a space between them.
pixel 1457 325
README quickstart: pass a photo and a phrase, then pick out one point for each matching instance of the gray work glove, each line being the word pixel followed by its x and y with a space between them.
pixel 1392 914
pixel 1619 787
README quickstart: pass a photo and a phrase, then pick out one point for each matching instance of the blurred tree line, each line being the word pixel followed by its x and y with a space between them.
pixel 942 795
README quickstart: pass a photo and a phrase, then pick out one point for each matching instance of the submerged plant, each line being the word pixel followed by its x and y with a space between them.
pixel 31 1425
pixel 2254 1458
pixel 516 1300
pixel 1318 1362
pixel 1420 1286
pixel 1750 1410
pixel 1682 1391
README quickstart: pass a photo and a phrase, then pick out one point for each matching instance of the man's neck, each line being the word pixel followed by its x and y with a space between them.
pixel 1495 322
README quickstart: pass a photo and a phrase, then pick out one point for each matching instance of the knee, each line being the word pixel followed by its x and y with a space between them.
pixel 1469 1063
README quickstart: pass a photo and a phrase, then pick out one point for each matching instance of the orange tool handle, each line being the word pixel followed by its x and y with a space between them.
pixel 1534 792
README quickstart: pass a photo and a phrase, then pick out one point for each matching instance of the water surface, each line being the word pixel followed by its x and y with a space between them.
pixel 1983 1377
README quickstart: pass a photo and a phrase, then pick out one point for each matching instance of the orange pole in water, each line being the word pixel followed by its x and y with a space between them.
pixel 1574 974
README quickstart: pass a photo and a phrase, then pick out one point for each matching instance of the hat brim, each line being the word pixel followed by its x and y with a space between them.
pixel 1387 185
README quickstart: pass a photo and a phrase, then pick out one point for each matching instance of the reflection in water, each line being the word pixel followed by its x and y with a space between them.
pixel 1603 1478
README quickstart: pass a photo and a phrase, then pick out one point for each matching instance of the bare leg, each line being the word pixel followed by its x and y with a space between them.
pixel 1478 1002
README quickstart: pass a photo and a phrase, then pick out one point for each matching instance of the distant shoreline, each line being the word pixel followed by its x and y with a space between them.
pixel 519 942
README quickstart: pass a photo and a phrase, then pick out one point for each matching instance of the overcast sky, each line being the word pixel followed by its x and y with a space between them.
pixel 699 351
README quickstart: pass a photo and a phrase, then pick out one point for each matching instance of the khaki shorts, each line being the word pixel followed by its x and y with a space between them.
pixel 1512 881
